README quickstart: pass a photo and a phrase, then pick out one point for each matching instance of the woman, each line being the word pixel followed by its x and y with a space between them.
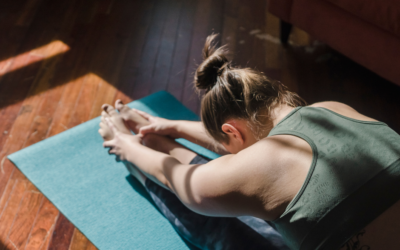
pixel 324 175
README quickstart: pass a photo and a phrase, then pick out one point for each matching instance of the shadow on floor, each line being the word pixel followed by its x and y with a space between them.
pixel 3 246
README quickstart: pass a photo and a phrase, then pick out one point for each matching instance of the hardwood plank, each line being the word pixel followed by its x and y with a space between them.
pixel 65 107
pixel 8 214
pixel 215 25
pixel 7 192
pixel 12 63
pixel 25 217
pixel 34 36
pixel 37 36
pixel 38 132
pixel 258 44
pixel 162 66
pixel 199 34
pixel 245 40
pixel 83 105
pixel 19 78
pixel 72 72
pixel 18 135
pixel 42 119
pixel 12 36
pixel 48 237
pixel 179 63
pixel 231 8
pixel 142 82
pixel 105 94
pixel 230 27
pixel 80 242
pixel 208 19
pixel 109 65
pixel 8 116
pixel 8 246
pixel 62 234
pixel 42 228
pixel 131 65
pixel 90 246
pixel 28 12
pixel 29 106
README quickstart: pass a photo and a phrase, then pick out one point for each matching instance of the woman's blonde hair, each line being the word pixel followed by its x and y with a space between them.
pixel 240 93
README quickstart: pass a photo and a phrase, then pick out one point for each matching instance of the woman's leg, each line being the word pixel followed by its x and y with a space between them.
pixel 204 232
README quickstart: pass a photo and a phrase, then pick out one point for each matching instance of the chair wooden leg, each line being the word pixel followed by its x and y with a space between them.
pixel 285 31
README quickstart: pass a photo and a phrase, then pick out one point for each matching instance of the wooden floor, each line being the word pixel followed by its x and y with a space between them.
pixel 61 60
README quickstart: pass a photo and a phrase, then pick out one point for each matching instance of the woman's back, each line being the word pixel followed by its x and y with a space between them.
pixel 353 160
pixel 325 171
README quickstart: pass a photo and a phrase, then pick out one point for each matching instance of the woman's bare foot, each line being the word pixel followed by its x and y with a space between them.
pixel 132 119
pixel 111 113
pixel 125 120
pixel 107 134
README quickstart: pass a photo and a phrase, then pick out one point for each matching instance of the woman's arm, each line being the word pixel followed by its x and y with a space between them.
pixel 161 168
pixel 190 130
pixel 212 189
pixel 196 133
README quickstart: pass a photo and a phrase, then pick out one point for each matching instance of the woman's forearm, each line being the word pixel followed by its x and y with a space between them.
pixel 152 163
pixel 196 133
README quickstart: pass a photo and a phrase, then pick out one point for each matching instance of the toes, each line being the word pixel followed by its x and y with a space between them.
pixel 119 104
pixel 121 107
pixel 109 109
pixel 103 123
pixel 104 106
pixel 105 133
pixel 104 114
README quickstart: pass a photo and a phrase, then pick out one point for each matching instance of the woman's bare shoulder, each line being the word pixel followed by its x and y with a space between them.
pixel 342 109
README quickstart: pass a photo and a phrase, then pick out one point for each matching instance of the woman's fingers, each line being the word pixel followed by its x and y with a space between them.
pixel 147 129
pixel 143 114
pixel 109 144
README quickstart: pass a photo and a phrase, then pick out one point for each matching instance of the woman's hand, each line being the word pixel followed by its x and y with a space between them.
pixel 122 144
pixel 157 125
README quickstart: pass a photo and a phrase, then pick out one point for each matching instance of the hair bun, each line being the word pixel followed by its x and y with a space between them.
pixel 213 65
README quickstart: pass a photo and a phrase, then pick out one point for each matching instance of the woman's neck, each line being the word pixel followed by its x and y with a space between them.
pixel 276 115
pixel 280 112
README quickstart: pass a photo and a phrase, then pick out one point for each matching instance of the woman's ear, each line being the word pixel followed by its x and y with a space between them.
pixel 233 133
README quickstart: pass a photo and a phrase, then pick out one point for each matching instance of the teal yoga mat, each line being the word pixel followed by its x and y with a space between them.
pixel 96 193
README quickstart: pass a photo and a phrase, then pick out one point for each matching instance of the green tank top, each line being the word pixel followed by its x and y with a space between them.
pixel 353 178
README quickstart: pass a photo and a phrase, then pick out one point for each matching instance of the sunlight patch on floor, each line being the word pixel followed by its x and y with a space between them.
pixel 44 52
